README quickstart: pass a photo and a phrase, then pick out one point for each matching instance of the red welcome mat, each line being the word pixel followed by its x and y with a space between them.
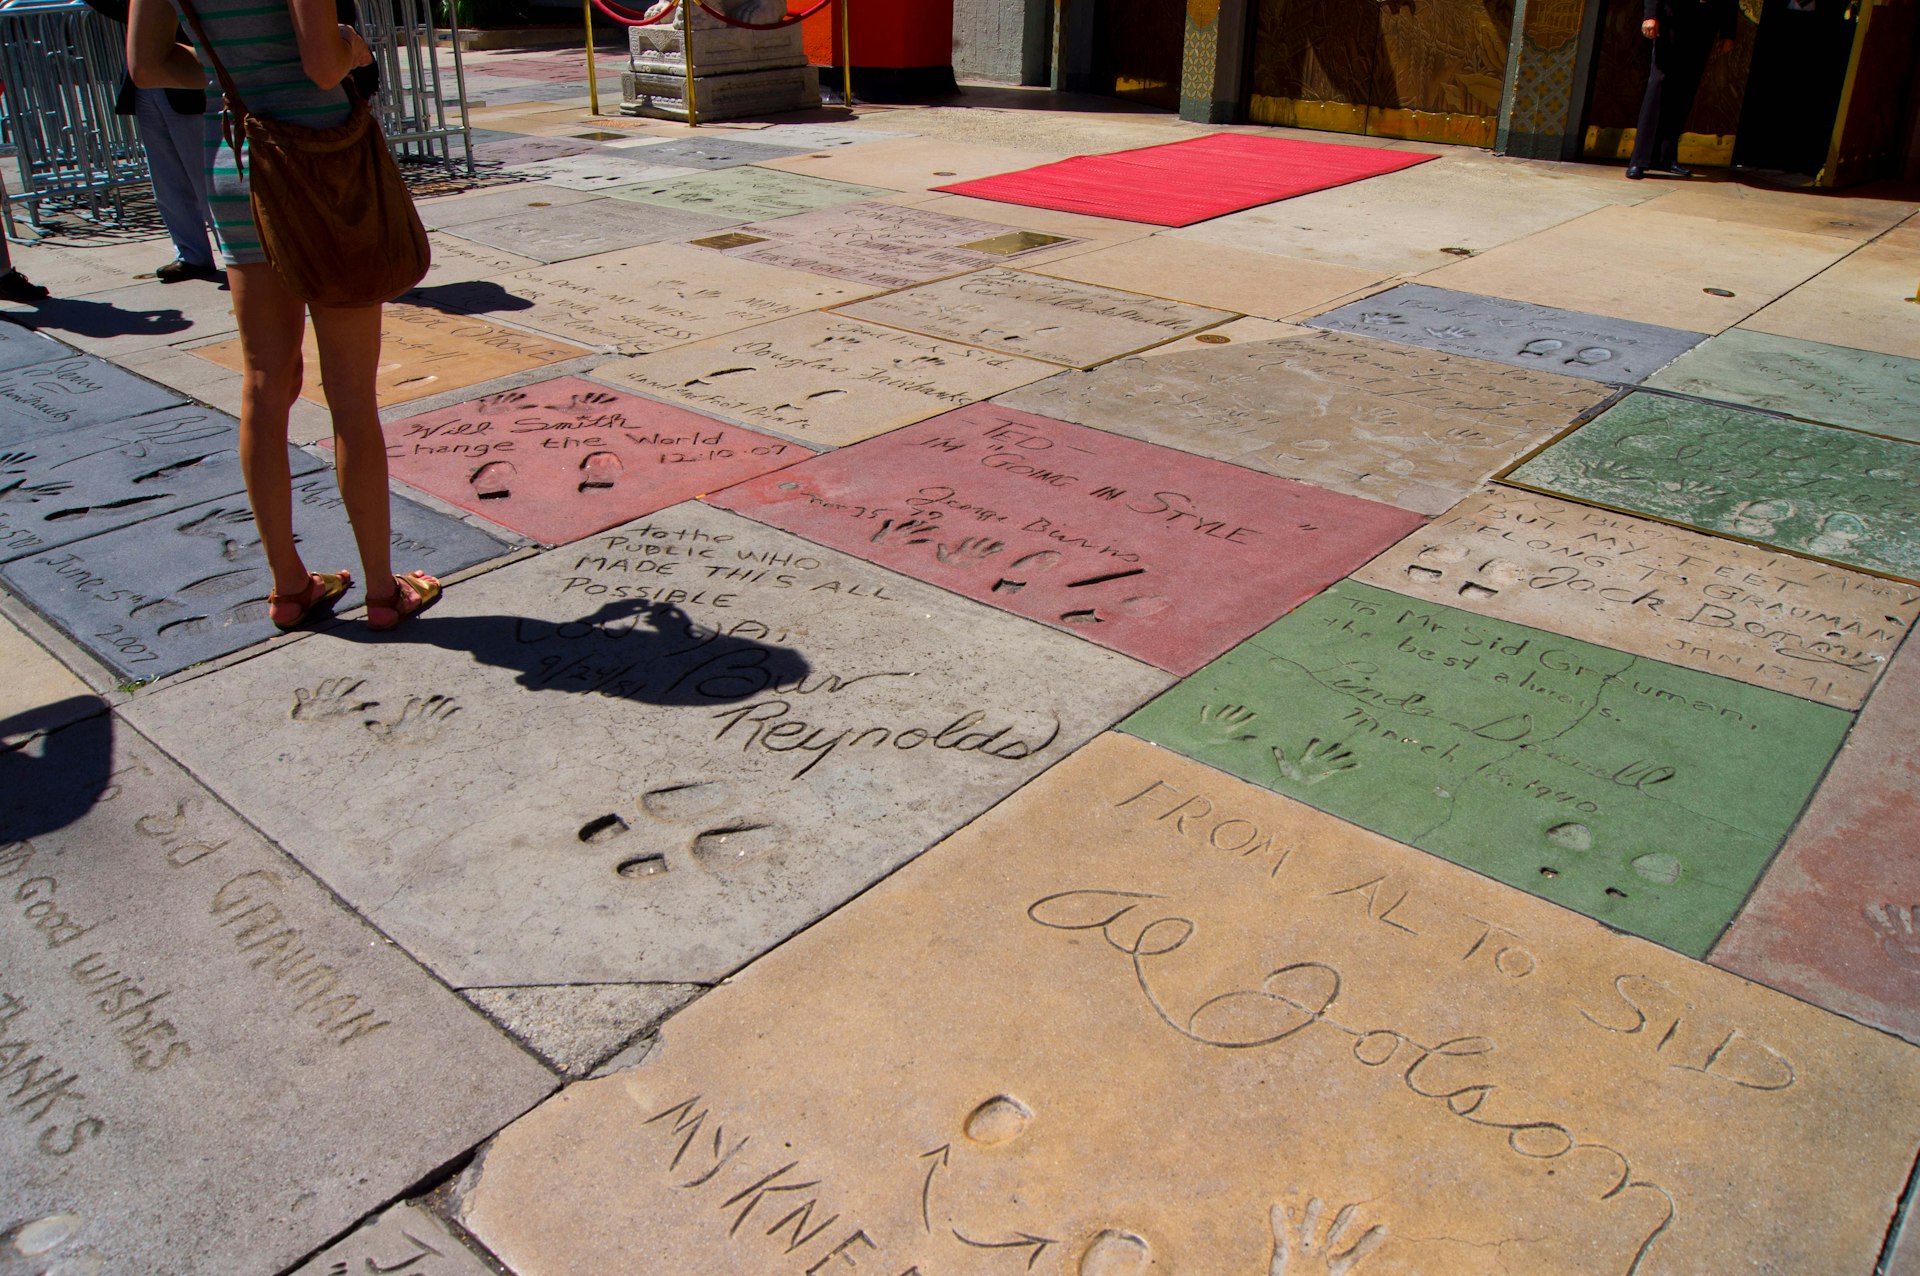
pixel 1181 183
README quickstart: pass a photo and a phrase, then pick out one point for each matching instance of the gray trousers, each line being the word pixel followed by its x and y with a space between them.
pixel 176 148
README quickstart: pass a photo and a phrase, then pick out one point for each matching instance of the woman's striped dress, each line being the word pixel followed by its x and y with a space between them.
pixel 256 43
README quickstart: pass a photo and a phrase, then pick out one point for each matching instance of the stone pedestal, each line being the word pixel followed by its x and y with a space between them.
pixel 736 71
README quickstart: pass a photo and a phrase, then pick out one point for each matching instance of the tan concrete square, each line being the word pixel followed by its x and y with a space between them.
pixel 147 314
pixel 653 297
pixel 459 261
pixel 1861 302
pixel 75 270
pixel 38 693
pixel 1252 283
pixel 1739 611
pixel 824 379
pixel 1400 223
pixel 1635 263
pixel 1059 320
pixel 912 163
pixel 1410 427
pixel 1046 221
pixel 218 386
pixel 425 351
pixel 1142 1018
pixel 1804 211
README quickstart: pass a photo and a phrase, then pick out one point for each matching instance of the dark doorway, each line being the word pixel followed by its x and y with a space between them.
pixel 1794 87
pixel 1138 46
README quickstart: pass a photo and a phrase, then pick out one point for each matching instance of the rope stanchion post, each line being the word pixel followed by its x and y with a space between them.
pixel 686 49
pixel 593 72
pixel 846 54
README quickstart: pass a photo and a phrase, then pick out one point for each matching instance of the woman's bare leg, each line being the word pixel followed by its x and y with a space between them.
pixel 349 359
pixel 272 323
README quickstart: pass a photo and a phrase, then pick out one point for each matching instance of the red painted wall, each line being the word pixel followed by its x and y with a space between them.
pixel 886 33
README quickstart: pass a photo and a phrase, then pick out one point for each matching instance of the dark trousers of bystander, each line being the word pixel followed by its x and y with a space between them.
pixel 1679 61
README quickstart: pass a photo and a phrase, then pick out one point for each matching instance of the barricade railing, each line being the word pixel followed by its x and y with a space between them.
pixel 626 17
pixel 61 66
pixel 412 102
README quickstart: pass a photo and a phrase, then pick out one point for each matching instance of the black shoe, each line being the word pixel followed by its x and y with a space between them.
pixel 1635 172
pixel 176 271
pixel 1677 171
pixel 15 286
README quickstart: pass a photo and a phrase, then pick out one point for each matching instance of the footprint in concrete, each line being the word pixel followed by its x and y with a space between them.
pixel 1571 837
pixel 1000 1119
pixel 599 471
pixel 222 525
pixel 48 1248
pixel 1761 518
pixel 1839 534
pixel 730 845
pixel 677 802
pixel 1659 868
pixel 493 481
pixel 603 829
pixel 1146 604
pixel 1116 1253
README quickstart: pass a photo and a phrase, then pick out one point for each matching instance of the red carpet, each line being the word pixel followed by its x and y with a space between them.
pixel 1186 182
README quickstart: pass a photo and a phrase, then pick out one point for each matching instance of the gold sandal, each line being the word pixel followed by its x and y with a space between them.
pixel 412 594
pixel 323 590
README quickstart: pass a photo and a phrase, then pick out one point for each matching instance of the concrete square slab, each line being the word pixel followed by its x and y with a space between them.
pixel 20 346
pixel 647 758
pixel 912 163
pixel 1860 389
pixel 1861 302
pixel 1834 920
pixel 70 393
pixel 72 270
pixel 1045 220
pixel 1823 214
pixel 652 297
pixel 1164 556
pixel 163 962
pixel 602 170
pixel 1403 223
pixel 568 231
pixel 458 261
pixel 64 487
pixel 824 137
pixel 885 245
pixel 1251 283
pixel 406 1239
pixel 491 205
pixel 425 350
pixel 559 459
pixel 526 150
pixel 1772 620
pixel 1415 429
pixel 537 93
pixel 824 379
pixel 1516 332
pixel 1646 796
pixel 1675 260
pixel 158 596
pixel 718 150
pixel 1143 1018
pixel 1836 495
pixel 39 694
pixel 749 194
pixel 140 316
pixel 209 383
pixel 1059 320
pixel 577 1027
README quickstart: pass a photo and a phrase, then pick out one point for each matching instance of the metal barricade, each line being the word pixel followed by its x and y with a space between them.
pixel 61 65
pixel 412 103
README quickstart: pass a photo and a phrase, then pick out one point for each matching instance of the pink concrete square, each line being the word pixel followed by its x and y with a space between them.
pixel 1168 557
pixel 566 458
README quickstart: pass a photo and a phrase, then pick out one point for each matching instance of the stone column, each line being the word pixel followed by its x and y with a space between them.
pixel 736 72
pixel 1549 61
pixel 1213 72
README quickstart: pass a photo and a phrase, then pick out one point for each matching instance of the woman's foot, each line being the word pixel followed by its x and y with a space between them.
pixel 412 594
pixel 290 611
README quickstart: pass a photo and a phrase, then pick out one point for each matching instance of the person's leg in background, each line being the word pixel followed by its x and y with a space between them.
pixel 176 156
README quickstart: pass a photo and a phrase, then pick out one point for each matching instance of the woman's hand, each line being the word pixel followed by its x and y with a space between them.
pixel 1650 28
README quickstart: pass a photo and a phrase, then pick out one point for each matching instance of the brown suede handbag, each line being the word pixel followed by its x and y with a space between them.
pixel 334 216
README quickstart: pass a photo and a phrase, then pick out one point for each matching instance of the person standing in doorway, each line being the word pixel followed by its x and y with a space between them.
pixel 1685 33
pixel 175 132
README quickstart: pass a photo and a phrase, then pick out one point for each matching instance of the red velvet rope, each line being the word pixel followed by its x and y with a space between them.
pixel 625 21
pixel 787 21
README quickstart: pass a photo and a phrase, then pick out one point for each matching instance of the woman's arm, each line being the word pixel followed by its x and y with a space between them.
pixel 328 48
pixel 154 58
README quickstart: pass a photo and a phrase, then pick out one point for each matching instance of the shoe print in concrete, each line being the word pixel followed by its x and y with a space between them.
pixel 646 759
pixel 1167 557
pixel 1372 1061
pixel 1644 795
pixel 1834 495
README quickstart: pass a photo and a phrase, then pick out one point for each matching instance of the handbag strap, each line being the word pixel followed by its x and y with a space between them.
pixel 227 86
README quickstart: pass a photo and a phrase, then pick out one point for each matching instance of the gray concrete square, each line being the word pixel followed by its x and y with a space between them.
pixel 563 233
pixel 64 394
pixel 647 757
pixel 718 151
pixel 20 346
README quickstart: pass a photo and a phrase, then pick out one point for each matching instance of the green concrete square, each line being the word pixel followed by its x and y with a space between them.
pixel 1646 796
pixel 1835 495
pixel 1860 389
